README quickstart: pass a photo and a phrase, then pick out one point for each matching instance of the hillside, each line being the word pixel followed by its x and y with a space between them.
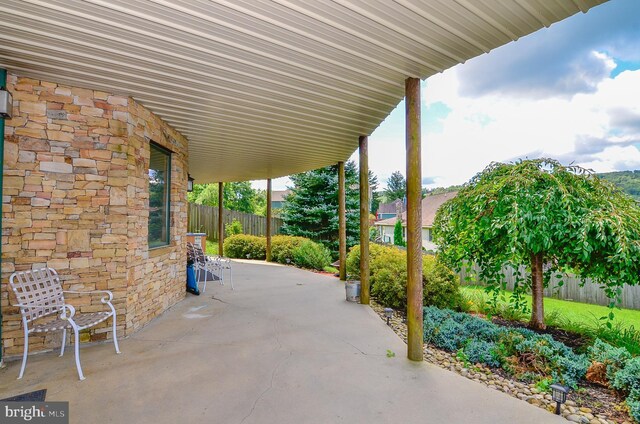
pixel 628 181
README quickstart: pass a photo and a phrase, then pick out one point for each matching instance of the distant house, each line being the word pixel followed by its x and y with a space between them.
pixel 277 198
pixel 388 210
pixel 430 206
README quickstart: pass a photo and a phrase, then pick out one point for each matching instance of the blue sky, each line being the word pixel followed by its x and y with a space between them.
pixel 570 92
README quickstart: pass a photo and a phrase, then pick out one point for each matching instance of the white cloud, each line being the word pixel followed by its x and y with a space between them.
pixel 499 128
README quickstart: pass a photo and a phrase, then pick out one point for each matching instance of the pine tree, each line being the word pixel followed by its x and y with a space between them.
pixel 396 187
pixel 311 210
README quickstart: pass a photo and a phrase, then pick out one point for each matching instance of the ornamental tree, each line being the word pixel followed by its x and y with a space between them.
pixel 551 218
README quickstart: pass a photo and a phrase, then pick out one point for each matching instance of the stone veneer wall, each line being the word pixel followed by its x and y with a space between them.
pixel 156 278
pixel 75 199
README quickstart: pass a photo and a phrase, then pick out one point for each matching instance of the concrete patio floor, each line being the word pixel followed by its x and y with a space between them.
pixel 284 347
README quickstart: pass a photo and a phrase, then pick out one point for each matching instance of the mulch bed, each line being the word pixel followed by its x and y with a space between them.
pixel 601 400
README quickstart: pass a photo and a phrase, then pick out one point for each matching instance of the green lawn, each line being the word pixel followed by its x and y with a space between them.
pixel 212 248
pixel 577 312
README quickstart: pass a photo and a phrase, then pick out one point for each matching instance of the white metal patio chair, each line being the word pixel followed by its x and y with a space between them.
pixel 225 264
pixel 201 263
pixel 217 263
pixel 39 294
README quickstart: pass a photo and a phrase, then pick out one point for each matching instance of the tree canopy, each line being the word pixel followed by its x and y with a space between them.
pixel 311 210
pixel 550 217
pixel 238 196
pixel 396 187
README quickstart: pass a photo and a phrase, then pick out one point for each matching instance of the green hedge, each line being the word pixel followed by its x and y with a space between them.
pixel 282 248
pixel 375 250
pixel 388 268
pixel 311 255
pixel 244 246
pixel 299 250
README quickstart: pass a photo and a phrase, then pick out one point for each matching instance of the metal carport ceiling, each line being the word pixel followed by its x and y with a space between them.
pixel 261 88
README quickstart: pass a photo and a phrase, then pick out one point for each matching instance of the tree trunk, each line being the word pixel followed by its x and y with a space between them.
pixel 537 292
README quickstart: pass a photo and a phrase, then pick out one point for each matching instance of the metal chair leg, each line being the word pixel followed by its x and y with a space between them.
pixel 115 337
pixel 64 341
pixel 26 351
pixel 77 351
pixel 206 278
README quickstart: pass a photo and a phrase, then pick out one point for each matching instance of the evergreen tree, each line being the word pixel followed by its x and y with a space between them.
pixel 311 210
pixel 396 187
pixel 398 240
pixel 375 195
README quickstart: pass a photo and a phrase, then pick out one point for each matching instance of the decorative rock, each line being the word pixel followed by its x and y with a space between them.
pixel 59 167
pixel 534 401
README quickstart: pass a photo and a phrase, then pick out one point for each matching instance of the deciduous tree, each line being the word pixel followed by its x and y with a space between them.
pixel 237 196
pixel 550 217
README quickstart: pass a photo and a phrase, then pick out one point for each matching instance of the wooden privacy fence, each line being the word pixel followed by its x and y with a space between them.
pixel 204 219
pixel 570 290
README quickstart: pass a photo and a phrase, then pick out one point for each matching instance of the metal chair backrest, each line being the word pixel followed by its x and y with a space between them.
pixel 199 254
pixel 38 287
pixel 191 252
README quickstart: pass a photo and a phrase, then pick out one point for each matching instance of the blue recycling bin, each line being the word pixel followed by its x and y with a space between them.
pixel 192 284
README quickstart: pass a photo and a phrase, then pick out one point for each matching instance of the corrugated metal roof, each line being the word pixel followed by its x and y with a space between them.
pixel 261 88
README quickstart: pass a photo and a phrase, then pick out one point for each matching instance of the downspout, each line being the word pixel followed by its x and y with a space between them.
pixel 3 86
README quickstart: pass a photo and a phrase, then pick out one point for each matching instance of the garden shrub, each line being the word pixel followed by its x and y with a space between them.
pixel 517 350
pixel 375 250
pixel 550 357
pixel 233 228
pixel 627 379
pixel 389 278
pixel 388 267
pixel 482 351
pixel 633 402
pixel 450 336
pixel 245 246
pixel 311 255
pixel 389 290
pixel 441 286
pixel 614 358
pixel 282 247
pixel 481 329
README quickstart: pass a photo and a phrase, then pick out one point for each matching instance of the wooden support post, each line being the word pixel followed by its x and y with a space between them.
pixel 364 220
pixel 414 221
pixel 268 220
pixel 342 222
pixel 220 225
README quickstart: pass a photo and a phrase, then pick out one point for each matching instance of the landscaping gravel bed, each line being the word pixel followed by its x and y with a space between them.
pixel 607 407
